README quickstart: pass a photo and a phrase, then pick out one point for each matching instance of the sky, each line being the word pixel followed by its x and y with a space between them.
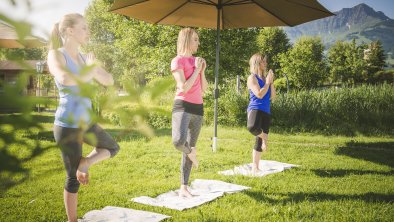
pixel 45 13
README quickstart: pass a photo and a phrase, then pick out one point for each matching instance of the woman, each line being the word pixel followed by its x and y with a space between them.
pixel 187 112
pixel 261 91
pixel 72 119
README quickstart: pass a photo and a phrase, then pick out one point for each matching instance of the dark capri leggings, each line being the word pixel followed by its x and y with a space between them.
pixel 258 122
pixel 70 141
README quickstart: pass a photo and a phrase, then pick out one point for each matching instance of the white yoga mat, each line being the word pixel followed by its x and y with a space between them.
pixel 266 167
pixel 119 214
pixel 202 190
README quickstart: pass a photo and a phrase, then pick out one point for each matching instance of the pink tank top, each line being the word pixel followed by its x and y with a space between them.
pixel 194 95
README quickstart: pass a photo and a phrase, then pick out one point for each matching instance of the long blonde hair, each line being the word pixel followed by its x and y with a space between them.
pixel 59 29
pixel 184 41
pixel 254 64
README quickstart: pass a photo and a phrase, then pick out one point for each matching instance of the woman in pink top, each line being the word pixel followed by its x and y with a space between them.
pixel 187 112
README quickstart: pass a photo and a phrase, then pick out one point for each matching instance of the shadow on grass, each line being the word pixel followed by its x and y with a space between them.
pixel 377 152
pixel 37 118
pixel 343 173
pixel 43 119
pixel 42 135
pixel 284 198
pixel 12 171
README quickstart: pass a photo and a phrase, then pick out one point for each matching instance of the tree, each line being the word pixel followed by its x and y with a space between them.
pixel 346 63
pixel 236 47
pixel 272 42
pixel 304 63
pixel 140 51
pixel 355 62
pixel 375 58
pixel 339 72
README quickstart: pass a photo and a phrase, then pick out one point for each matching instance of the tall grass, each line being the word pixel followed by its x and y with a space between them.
pixel 363 109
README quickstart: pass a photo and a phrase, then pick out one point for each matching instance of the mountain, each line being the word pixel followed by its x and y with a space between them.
pixel 361 22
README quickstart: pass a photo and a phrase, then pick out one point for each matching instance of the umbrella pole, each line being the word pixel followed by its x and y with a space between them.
pixel 216 93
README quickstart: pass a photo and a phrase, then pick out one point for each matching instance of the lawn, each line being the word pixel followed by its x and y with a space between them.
pixel 339 178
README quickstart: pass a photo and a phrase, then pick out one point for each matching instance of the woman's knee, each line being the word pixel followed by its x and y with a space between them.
pixel 179 143
pixel 115 149
pixel 72 185
pixel 255 130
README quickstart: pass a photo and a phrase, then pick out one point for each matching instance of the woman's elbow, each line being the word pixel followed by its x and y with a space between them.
pixel 181 89
pixel 259 96
pixel 63 80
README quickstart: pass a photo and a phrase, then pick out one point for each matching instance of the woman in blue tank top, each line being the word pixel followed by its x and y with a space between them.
pixel 72 118
pixel 261 91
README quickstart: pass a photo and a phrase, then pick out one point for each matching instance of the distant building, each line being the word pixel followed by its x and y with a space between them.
pixel 11 70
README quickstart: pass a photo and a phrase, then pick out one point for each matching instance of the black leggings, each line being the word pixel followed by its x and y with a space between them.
pixel 70 141
pixel 258 122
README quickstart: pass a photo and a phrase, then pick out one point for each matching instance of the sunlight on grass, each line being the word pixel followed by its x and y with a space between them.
pixel 339 178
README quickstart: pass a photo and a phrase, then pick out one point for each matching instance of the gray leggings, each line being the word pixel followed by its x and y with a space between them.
pixel 185 130
pixel 70 141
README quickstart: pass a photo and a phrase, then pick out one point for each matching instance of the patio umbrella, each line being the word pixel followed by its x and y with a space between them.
pixel 9 38
pixel 221 14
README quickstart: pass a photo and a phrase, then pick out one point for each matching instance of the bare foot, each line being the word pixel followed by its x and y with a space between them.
pixel 256 171
pixel 82 172
pixel 184 192
pixel 264 147
pixel 193 157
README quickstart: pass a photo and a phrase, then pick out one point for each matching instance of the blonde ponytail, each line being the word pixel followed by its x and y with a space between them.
pixel 56 40
pixel 59 29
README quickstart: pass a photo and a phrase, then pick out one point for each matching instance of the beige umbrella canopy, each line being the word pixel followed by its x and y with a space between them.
pixel 9 38
pixel 221 14
pixel 233 13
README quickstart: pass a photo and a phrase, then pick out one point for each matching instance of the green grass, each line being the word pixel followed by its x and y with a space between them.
pixel 339 178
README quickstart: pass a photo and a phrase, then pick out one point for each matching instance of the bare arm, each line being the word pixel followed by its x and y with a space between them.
pixel 273 92
pixel 100 74
pixel 204 82
pixel 182 84
pixel 254 86
pixel 57 67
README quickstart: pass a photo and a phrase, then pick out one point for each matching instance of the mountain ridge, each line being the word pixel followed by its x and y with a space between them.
pixel 360 22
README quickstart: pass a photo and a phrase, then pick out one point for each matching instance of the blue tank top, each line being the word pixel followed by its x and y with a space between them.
pixel 73 110
pixel 262 104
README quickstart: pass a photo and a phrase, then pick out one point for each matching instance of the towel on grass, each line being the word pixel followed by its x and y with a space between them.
pixel 116 214
pixel 202 190
pixel 266 167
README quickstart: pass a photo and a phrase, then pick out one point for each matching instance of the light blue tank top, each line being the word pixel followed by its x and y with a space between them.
pixel 73 110
pixel 262 104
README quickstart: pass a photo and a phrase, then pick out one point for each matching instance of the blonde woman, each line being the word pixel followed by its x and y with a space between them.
pixel 261 91
pixel 187 112
pixel 72 118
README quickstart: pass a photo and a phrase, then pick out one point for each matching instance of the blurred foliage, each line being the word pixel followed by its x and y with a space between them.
pixel 132 110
